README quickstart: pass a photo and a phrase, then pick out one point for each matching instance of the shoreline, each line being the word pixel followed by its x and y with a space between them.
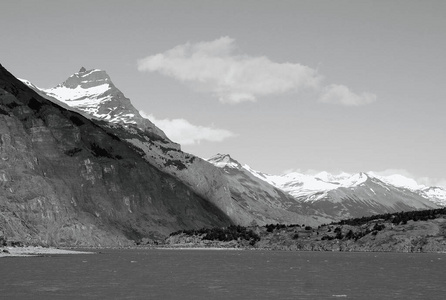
pixel 36 251
pixel 199 248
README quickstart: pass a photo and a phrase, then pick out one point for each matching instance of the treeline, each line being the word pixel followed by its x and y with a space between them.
pixel 351 235
pixel 223 234
pixel 397 218
pixel 4 242
pixel 272 227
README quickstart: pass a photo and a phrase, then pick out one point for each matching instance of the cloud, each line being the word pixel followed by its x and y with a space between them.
pixel 390 172
pixel 185 133
pixel 215 67
pixel 427 181
pixel 340 94
pixel 439 182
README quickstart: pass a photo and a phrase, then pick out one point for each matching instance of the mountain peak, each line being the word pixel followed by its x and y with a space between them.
pixel 93 92
pixel 87 79
pixel 224 160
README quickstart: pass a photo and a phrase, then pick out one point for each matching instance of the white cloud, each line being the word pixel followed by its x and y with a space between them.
pixel 185 133
pixel 233 78
pixel 340 94
pixel 440 182
pixel 427 181
pixel 390 172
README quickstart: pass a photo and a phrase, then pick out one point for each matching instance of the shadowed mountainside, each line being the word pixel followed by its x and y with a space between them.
pixel 68 180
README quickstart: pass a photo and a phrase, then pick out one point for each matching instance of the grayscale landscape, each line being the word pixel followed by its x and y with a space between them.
pixel 255 149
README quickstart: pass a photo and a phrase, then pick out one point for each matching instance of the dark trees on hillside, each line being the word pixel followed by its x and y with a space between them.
pixel 224 234
pixel 398 218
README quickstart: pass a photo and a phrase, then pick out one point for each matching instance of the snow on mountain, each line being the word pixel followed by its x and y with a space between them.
pixel 399 181
pixel 28 83
pixel 93 93
pixel 88 91
pixel 269 203
pixel 224 160
pixel 344 195
pixel 435 194
pixel 301 185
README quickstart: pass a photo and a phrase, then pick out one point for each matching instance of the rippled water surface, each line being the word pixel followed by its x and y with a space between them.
pixel 224 274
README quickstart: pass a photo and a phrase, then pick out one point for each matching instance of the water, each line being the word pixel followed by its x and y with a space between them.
pixel 224 274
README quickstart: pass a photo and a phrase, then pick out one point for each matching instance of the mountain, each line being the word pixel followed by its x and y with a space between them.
pixel 80 166
pixel 265 199
pixel 334 196
pixel 433 193
pixel 69 180
pixel 92 94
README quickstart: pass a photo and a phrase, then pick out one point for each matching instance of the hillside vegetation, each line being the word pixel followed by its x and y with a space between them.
pixel 417 231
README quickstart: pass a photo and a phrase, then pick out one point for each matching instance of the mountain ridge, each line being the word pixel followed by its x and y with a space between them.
pixel 342 196
pixel 298 184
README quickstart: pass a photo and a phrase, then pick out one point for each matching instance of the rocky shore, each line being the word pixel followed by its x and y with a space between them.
pixel 35 251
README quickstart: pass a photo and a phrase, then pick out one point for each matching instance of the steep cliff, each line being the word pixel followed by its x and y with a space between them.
pixel 69 180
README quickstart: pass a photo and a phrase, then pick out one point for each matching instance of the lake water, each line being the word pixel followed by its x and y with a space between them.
pixel 224 274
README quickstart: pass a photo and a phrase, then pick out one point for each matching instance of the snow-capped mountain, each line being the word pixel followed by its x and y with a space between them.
pixel 269 203
pixel 343 195
pixel 433 193
pixel 93 93
pixel 301 185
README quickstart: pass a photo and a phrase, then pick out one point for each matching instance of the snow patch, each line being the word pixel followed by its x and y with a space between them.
pixel 79 94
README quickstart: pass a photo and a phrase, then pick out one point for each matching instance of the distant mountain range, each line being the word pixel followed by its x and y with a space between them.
pixel 340 196
pixel 81 166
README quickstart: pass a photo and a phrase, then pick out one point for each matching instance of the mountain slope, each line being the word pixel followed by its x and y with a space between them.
pixel 68 180
pixel 262 198
pixel 93 93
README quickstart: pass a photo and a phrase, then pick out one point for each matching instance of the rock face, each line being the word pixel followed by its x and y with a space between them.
pixel 68 180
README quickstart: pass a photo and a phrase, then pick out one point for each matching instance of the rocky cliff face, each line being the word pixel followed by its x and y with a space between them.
pixel 68 180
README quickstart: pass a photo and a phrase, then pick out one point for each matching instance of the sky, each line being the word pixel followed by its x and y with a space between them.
pixel 308 86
